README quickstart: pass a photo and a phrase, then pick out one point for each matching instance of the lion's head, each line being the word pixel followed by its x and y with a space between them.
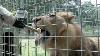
pixel 50 24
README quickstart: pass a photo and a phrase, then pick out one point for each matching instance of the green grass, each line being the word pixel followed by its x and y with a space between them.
pixel 29 48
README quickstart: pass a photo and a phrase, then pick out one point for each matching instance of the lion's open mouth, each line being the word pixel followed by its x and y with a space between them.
pixel 46 33
pixel 44 37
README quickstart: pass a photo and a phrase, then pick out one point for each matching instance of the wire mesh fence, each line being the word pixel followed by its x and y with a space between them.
pixel 21 42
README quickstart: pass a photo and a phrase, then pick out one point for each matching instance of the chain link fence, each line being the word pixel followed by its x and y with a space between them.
pixel 22 42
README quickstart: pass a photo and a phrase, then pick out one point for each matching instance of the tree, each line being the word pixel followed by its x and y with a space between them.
pixel 88 13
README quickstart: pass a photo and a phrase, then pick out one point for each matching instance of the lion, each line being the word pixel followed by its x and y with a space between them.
pixel 61 37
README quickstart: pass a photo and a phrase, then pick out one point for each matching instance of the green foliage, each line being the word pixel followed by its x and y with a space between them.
pixel 88 11
pixel 88 28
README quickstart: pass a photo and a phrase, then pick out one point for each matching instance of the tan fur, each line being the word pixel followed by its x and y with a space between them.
pixel 96 41
pixel 68 16
pixel 68 36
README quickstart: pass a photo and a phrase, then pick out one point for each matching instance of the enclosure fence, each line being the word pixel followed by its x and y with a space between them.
pixel 21 42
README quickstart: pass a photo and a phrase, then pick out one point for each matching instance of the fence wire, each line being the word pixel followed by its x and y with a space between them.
pixel 21 42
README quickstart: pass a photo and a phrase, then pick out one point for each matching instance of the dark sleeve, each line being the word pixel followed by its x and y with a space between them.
pixel 19 24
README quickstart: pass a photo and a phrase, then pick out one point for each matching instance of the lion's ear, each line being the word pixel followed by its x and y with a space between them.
pixel 66 15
